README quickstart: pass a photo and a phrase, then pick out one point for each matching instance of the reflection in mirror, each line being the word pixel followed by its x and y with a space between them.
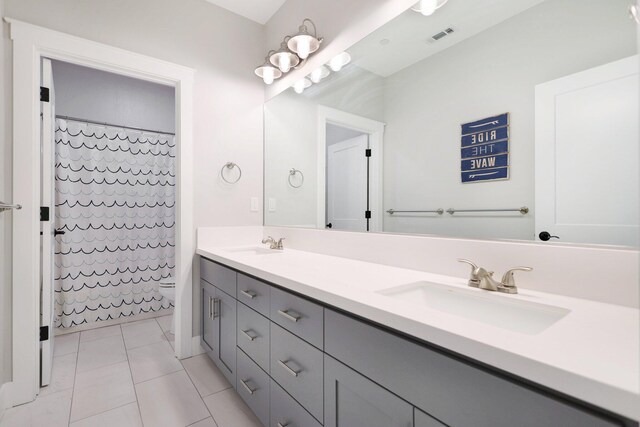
pixel 507 119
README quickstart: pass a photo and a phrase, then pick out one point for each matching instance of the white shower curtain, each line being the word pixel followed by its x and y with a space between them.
pixel 115 201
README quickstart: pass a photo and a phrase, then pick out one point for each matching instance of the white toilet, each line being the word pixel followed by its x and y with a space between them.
pixel 167 289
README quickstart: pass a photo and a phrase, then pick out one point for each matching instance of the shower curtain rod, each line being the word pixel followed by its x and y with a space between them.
pixel 111 124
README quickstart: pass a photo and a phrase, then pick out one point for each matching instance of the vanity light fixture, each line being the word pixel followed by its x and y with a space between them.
pixel 339 61
pixel 319 73
pixel 283 58
pixel 305 43
pixel 301 85
pixel 267 72
pixel 428 7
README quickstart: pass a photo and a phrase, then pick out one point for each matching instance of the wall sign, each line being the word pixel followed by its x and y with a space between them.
pixel 484 151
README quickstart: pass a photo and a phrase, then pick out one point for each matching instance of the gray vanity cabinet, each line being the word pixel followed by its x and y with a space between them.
pixel 421 419
pixel 209 330
pixel 352 400
pixel 219 316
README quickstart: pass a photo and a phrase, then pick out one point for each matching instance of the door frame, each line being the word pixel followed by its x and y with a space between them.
pixel 375 130
pixel 30 43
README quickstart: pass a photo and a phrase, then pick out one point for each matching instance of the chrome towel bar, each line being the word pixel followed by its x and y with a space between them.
pixel 438 211
pixel 6 206
pixel 523 210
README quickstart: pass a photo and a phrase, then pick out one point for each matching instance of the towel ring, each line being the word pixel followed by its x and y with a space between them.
pixel 293 173
pixel 230 165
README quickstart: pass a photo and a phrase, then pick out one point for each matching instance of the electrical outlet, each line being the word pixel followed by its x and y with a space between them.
pixel 272 204
pixel 255 204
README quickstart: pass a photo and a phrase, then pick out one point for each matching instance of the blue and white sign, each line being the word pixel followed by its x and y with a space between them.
pixel 484 149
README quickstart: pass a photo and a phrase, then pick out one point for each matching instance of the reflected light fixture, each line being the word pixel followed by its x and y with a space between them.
pixel 304 43
pixel 283 58
pixel 428 7
pixel 301 85
pixel 267 71
pixel 319 73
pixel 339 61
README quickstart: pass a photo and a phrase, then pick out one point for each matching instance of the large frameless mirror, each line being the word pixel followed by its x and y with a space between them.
pixel 496 119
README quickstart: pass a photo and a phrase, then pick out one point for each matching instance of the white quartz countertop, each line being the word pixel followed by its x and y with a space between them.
pixel 592 353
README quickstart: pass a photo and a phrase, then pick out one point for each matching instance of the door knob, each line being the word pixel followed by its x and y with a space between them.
pixel 57 232
pixel 545 235
pixel 329 225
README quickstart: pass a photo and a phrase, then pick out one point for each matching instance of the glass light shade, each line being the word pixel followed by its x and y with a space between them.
pixel 284 59
pixel 301 85
pixel 303 43
pixel 339 61
pixel 428 7
pixel 319 73
pixel 268 73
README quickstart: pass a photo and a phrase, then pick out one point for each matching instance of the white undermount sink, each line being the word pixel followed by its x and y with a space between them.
pixel 502 311
pixel 255 250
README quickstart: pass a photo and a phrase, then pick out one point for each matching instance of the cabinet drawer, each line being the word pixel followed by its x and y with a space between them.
pixel 254 293
pixel 297 366
pixel 297 315
pixel 253 335
pixel 285 411
pixel 253 387
pixel 222 277
pixel 451 390
pixel 423 420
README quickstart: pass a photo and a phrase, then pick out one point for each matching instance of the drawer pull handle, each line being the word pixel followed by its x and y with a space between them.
pixel 283 425
pixel 285 314
pixel 249 389
pixel 210 308
pixel 285 366
pixel 216 308
pixel 248 294
pixel 246 334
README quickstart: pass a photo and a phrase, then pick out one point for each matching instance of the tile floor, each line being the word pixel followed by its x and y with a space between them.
pixel 127 376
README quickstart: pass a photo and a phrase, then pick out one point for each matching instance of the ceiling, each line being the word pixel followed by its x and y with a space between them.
pixel 407 39
pixel 259 11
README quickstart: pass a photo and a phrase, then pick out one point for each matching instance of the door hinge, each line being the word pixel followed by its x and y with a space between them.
pixel 44 333
pixel 367 152
pixel 44 94
pixel 367 214
pixel 44 213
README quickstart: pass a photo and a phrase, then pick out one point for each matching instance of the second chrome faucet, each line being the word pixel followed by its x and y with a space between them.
pixel 483 279
pixel 273 244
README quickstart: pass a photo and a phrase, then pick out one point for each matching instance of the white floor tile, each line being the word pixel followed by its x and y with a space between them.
pixel 144 332
pixel 205 375
pixel 171 338
pixel 152 361
pixel 50 411
pixel 207 422
pixel 101 352
pixel 94 334
pixel 124 416
pixel 62 375
pixel 228 410
pixel 170 401
pixel 65 344
pixel 164 322
pixel 102 389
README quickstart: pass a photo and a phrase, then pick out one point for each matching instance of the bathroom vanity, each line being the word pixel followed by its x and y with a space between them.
pixel 306 344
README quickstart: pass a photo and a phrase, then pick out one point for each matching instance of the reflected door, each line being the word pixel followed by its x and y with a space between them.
pixel 347 184
pixel 586 164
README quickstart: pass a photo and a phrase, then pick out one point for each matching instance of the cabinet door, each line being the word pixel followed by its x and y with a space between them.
pixel 226 322
pixel 209 326
pixel 352 400
pixel 424 420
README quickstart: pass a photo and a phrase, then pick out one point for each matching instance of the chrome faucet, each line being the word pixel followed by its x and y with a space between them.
pixel 273 244
pixel 483 279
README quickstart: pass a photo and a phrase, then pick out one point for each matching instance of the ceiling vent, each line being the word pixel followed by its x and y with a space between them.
pixel 442 34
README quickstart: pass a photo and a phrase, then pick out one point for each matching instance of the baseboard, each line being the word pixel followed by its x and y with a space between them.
pixel 5 401
pixel 196 348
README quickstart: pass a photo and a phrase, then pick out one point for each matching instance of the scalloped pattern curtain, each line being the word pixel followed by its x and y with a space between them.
pixel 115 201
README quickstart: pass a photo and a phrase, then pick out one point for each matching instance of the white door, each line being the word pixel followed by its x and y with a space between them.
pixel 586 161
pixel 47 200
pixel 347 184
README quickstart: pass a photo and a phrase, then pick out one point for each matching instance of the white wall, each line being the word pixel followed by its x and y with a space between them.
pixel 494 72
pixel 228 97
pixel 106 97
